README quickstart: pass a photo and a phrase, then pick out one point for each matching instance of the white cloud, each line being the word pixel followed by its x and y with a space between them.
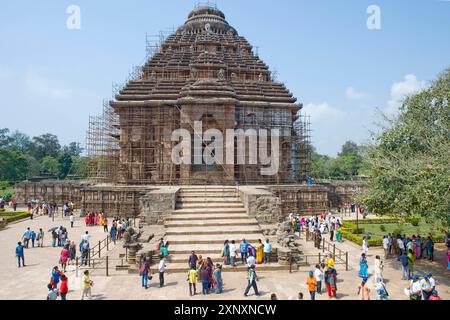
pixel 321 111
pixel 401 90
pixel 352 94
pixel 39 85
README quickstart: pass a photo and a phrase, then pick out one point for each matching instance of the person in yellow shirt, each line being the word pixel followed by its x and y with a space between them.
pixel 312 285
pixel 86 285
pixel 192 279
pixel 330 261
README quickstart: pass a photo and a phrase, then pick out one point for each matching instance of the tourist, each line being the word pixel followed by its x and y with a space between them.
pixel 86 236
pixel 378 269
pixel 300 296
pixel 72 252
pixel 364 291
pixel 105 224
pixel 64 257
pixel 382 293
pixel 429 245
pixel 52 293
pixel 365 245
pixel 161 268
pixel 165 250
pixel 415 288
pixel 113 233
pixel 267 251
pixel 192 261
pixel 363 267
pixel 86 285
pixel 318 274
pixel 332 228
pixel 401 246
pixel 311 282
pixel 251 261
pixel 64 287
pixel 226 253
pixel 273 296
pixel 144 271
pixel 427 286
pixel 205 278
pixel 385 244
pixel 192 279
pixel 233 253
pixel 411 262
pixel 434 296
pixel 259 252
pixel 55 277
pixel 331 282
pixel 405 266
pixel 391 245
pixel 54 237
pixel 218 279
pixel 339 234
pixel 71 218
pixel 418 251
pixel 26 237
pixel 20 254
pixel 84 249
pixel 40 238
pixel 244 250
pixel 252 278
pixel 330 261
pixel 33 238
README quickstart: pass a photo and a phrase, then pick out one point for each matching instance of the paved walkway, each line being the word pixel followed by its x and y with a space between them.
pixel 30 282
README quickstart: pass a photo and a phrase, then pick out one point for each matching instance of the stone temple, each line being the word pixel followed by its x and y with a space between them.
pixel 206 72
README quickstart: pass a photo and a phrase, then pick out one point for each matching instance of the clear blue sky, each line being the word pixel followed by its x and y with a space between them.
pixel 52 78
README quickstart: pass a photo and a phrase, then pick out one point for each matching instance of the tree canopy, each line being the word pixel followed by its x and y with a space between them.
pixel 408 163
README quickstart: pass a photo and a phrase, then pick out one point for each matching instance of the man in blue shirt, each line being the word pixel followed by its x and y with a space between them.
pixel 20 254
pixel 27 237
pixel 244 250
pixel 33 237
pixel 405 265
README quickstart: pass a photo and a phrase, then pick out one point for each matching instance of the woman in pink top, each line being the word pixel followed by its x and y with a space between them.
pixel 434 296
pixel 65 254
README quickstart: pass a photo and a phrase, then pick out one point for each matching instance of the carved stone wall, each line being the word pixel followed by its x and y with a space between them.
pixel 156 205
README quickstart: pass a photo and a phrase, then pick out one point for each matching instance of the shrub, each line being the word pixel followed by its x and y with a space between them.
pixel 16 217
pixel 414 221
pixel 383 228
pixel 397 231
pixel 376 221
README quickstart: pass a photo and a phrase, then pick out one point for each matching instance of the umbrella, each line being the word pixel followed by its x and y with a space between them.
pixel 53 229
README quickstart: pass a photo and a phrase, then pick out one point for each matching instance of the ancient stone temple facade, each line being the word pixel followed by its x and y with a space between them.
pixel 205 73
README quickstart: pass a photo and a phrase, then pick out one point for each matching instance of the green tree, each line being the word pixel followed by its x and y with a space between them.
pixel 74 149
pixel 79 167
pixel 45 145
pixel 64 165
pixel 20 142
pixel 408 166
pixel 4 138
pixel 13 165
pixel 49 165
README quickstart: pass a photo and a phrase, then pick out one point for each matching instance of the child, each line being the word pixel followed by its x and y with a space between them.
pixel 300 296
pixel 312 285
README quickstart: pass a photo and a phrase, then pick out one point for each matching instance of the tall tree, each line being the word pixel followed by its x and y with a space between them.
pixel 64 165
pixel 45 145
pixel 20 142
pixel 13 165
pixel 4 137
pixel 408 166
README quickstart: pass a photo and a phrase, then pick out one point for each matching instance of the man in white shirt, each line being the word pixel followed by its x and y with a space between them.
pixel 233 254
pixel 415 288
pixel 86 237
pixel 161 269
pixel 318 274
pixel 401 247
pixel 428 284
pixel 251 261
pixel 71 220
pixel 385 246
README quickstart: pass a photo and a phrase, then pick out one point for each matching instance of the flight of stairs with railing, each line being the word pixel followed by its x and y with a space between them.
pixel 203 219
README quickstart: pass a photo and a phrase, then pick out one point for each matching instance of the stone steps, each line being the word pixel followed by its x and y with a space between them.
pixel 211 222
pixel 218 239
pixel 207 216
pixel 209 205
pixel 208 200
pixel 210 210
pixel 216 230
pixel 203 249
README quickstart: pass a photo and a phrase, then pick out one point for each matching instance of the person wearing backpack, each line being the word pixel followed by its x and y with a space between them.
pixel 144 272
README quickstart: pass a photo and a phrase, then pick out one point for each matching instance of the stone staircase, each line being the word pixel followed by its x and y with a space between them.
pixel 203 219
